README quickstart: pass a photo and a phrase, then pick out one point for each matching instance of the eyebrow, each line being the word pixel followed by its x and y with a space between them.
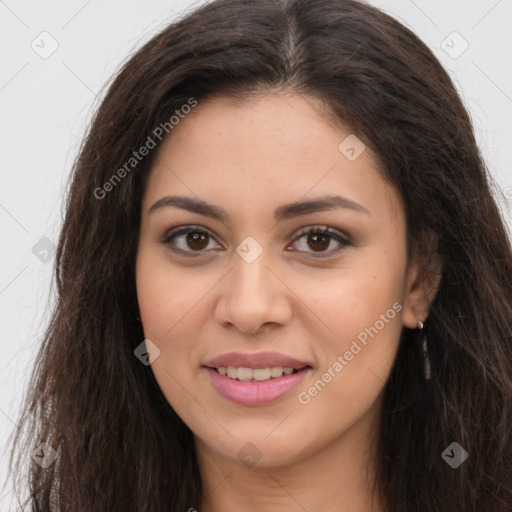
pixel 283 212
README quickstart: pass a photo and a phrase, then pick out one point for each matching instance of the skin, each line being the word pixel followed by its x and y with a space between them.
pixel 249 158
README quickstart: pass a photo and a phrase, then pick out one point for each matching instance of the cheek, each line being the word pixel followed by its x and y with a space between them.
pixel 361 310
pixel 356 298
pixel 169 309
pixel 167 296
pixel 356 362
pixel 174 309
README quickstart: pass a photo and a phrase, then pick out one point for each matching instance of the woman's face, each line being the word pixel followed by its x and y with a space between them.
pixel 257 292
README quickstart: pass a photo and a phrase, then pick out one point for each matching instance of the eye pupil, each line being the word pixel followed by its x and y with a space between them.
pixel 195 237
pixel 315 239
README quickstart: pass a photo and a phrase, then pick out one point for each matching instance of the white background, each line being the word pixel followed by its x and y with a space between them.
pixel 45 106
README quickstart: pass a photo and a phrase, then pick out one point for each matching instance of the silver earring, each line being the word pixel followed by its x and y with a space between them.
pixel 427 371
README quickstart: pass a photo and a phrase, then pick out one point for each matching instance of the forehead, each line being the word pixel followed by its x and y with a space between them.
pixel 257 154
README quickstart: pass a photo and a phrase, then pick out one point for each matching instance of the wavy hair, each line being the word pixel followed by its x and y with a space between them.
pixel 120 445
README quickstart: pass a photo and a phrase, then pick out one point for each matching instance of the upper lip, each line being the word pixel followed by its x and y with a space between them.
pixel 255 360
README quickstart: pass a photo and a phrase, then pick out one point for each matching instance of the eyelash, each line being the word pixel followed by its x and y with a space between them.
pixel 315 230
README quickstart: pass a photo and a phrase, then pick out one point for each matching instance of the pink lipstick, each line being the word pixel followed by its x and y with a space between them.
pixel 255 379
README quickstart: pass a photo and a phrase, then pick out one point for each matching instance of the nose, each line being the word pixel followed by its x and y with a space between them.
pixel 253 296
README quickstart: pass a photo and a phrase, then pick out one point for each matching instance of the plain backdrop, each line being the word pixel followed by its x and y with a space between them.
pixel 55 58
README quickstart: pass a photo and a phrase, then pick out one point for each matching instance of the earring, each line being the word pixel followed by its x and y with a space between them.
pixel 427 372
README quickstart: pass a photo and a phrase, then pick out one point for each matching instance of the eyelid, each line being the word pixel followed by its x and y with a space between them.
pixel 321 228
pixel 181 230
pixel 337 235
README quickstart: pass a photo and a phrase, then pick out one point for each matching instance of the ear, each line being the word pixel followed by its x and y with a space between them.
pixel 423 278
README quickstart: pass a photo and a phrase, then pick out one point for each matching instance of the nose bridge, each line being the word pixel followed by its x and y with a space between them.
pixel 251 274
pixel 251 285
pixel 252 295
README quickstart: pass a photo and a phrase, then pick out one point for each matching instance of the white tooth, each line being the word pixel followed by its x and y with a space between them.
pixel 244 373
pixel 276 371
pixel 261 373
pixel 232 372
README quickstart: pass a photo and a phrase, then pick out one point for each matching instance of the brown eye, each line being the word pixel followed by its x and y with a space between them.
pixel 318 242
pixel 197 240
pixel 319 239
pixel 188 240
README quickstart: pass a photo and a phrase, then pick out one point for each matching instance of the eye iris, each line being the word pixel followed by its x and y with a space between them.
pixel 197 238
pixel 315 239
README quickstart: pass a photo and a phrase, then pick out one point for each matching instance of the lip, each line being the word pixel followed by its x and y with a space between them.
pixel 256 393
pixel 256 360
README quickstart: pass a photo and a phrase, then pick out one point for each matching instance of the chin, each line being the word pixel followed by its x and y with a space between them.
pixel 258 451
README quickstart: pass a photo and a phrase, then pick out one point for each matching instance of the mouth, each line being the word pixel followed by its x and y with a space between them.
pixel 255 379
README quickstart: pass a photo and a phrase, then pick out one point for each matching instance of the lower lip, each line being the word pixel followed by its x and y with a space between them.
pixel 255 393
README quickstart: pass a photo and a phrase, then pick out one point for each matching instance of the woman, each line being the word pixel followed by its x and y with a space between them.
pixel 283 281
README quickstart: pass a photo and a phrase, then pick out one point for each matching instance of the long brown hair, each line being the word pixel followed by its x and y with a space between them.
pixel 120 445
